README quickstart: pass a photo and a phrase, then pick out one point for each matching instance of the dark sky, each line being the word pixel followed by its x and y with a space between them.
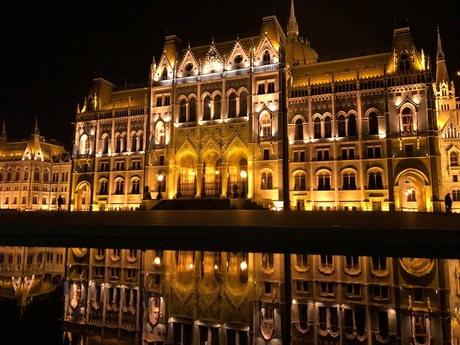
pixel 51 50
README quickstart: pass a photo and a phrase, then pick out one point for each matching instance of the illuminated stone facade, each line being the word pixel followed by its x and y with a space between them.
pixel 33 173
pixel 264 118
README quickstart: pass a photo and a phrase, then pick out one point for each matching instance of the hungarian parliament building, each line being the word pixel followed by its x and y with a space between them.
pixel 260 118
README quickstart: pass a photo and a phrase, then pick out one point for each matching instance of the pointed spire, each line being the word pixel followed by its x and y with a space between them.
pixel 293 27
pixel 440 53
pixel 4 129
pixel 36 130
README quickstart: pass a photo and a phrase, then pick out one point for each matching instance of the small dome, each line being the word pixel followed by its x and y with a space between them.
pixel 300 53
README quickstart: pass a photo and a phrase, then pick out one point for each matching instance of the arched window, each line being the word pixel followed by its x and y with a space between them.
pixel 217 107
pixel 373 123
pixel 232 105
pixel 133 139
pixel 411 197
pixel 135 186
pixel 265 124
pixel 84 144
pixel 164 75
pixel 349 181
pixel 160 133
pixel 183 111
pixel 266 181
pixel 105 143
pixel 453 158
pixel 404 63
pixel 46 175
pixel 317 128
pixel 352 125
pixel 207 108
pixel 456 195
pixel 192 110
pixel 266 58
pixel 407 120
pixel 300 181
pixel 120 186
pixel 9 175
pixel 36 175
pixel 18 174
pixel 103 187
pixel 124 142
pixel 324 180
pixel 140 143
pixel 298 129
pixel 117 142
pixel 375 180
pixel 327 127
pixel 342 126
pixel 243 104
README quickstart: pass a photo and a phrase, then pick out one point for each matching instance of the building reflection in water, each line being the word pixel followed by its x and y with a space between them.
pixel 128 296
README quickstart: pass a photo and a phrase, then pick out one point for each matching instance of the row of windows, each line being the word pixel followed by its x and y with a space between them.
pixel 212 107
pixel 120 143
pixel 35 199
pixel 119 166
pixel 119 186
pixel 349 181
pixel 36 175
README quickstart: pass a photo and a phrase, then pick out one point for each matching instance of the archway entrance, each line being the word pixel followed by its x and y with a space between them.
pixel 83 197
pixel 411 192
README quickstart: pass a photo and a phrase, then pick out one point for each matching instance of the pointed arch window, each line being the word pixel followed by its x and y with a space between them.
pixel 265 124
pixel 324 180
pixel 124 142
pixel 349 181
pixel 298 129
pixel 118 142
pixel 18 174
pixel 352 125
pixel 160 133
pixel 232 105
pixel 207 108
pixel 453 158
pixel 192 110
pixel 105 144
pixel 103 187
pixel 133 140
pixel 243 104
pixel 327 127
pixel 9 175
pixel 373 123
pixel 317 128
pixel 217 107
pixel 375 180
pixel 135 186
pixel 164 75
pixel 183 111
pixel 46 175
pixel 266 58
pixel 300 181
pixel 342 126
pixel 407 120
pixel 120 186
pixel 404 63
pixel 140 141
pixel 84 144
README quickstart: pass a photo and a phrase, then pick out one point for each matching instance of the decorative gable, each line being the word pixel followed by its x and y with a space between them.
pixel 266 53
pixel 189 65
pixel 238 57
pixel 450 130
pixel 164 70
pixel 213 61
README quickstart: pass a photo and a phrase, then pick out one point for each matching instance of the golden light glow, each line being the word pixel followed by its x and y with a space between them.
pixel 243 265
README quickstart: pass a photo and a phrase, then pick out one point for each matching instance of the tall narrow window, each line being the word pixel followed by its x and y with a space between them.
pixel 298 129
pixel 217 107
pixel 164 75
pixel 183 111
pixel 265 125
pixel 232 105
pixel 207 108
pixel 300 182
pixel 324 181
pixel 266 58
pixel 317 128
pixel 243 104
pixel 192 110
pixel 407 120
pixel 373 123
pixel 327 127
pixel 453 159
pixel 342 126
pixel 352 125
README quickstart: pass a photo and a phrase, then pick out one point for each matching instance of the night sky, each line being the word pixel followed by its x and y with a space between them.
pixel 51 50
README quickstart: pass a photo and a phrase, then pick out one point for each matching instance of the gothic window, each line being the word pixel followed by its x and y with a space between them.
pixel 36 175
pixel 105 143
pixel 327 127
pixel 349 181
pixel 44 200
pixel 192 110
pixel 317 128
pixel 407 120
pixel 266 58
pixel 404 64
pixel 217 107
pixel 35 200
pixel 124 142
pixel 375 180
pixel 453 158
pixel 265 124
pixel 207 108
pixel 455 195
pixel 373 123
pixel 324 181
pixel 342 126
pixel 84 144
pixel 164 75
pixel 379 263
pixel 46 175
pixel 135 186
pixel 120 186
pixel 9 175
pixel 243 104
pixel 266 181
pixel 18 174
pixel 133 142
pixel 160 133
pixel 117 142
pixel 271 87
pixel 103 190
pixel 261 88
pixel 298 129
pixel 183 111
pixel 232 105
pixel 300 181
pixel 352 125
